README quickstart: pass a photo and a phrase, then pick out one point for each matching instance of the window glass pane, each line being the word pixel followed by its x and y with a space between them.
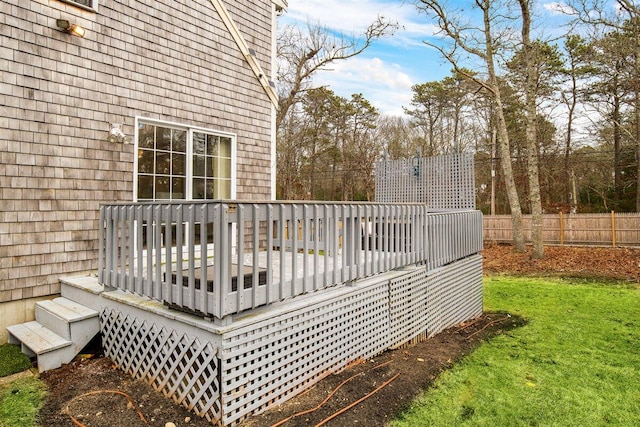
pixel 163 190
pixel 146 136
pixel 198 165
pixel 222 189
pixel 145 161
pixel 212 145
pixel 163 138
pixel 145 187
pixel 178 165
pixel 211 161
pixel 177 188
pixel 163 163
pixel 225 147
pixel 199 188
pixel 210 189
pixel 199 143
pixel 222 168
pixel 179 141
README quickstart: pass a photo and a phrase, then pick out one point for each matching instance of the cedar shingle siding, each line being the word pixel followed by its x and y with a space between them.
pixel 168 60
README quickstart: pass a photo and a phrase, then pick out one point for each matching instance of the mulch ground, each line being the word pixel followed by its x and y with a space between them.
pixel 369 393
pixel 566 261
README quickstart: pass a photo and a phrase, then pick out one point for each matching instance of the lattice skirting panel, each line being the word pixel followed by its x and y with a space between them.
pixel 423 303
pixel 268 362
pixel 454 294
pixel 181 367
pixel 408 307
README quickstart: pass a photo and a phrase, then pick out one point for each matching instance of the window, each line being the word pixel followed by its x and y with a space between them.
pixel 211 166
pixel 177 162
pixel 91 5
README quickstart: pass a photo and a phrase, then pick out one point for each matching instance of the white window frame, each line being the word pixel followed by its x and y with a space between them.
pixel 92 7
pixel 189 154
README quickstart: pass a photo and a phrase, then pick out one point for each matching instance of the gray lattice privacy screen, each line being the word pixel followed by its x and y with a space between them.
pixel 442 182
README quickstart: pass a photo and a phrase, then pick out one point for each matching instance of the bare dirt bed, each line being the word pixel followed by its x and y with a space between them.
pixel 97 394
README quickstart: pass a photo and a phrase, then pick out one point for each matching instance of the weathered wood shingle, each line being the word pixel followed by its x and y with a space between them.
pixel 169 60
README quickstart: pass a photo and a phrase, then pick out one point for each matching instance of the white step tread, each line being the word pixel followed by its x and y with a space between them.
pixel 68 310
pixel 38 338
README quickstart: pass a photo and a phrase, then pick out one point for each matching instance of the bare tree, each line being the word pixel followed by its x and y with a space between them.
pixel 302 53
pixel 576 69
pixel 623 22
pixel 483 44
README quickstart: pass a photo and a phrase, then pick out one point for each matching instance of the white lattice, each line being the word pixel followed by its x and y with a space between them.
pixel 179 366
pixel 442 182
pixel 407 307
pixel 454 294
pixel 271 361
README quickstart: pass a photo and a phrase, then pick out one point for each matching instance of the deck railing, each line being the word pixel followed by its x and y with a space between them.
pixel 221 257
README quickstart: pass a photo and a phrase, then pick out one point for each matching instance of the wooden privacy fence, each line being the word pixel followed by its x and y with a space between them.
pixel 609 229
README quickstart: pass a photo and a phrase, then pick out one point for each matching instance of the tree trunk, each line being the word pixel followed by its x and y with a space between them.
pixel 636 93
pixel 567 148
pixel 617 141
pixel 503 143
pixel 637 142
pixel 531 134
pixel 509 182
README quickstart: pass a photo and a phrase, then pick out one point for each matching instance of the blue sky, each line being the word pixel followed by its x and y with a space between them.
pixel 385 72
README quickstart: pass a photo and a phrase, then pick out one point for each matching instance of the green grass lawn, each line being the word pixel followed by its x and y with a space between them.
pixel 20 399
pixel 12 360
pixel 576 362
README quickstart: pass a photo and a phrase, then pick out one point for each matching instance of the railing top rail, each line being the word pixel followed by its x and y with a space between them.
pixel 262 202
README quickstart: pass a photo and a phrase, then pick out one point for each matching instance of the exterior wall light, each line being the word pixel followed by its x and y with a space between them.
pixel 70 28
pixel 117 135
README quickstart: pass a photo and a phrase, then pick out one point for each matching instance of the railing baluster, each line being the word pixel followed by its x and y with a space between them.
pixel 306 235
pixel 317 282
pixel 225 258
pixel 102 228
pixel 122 248
pixel 282 251
pixel 294 248
pixel 255 267
pixel 139 222
pixel 219 305
pixel 178 285
pixel 148 288
pixel 157 249
pixel 240 262
pixel 204 257
pixel 168 249
pixel 113 238
pixel 131 283
pixel 326 236
pixel 194 303
pixel 271 228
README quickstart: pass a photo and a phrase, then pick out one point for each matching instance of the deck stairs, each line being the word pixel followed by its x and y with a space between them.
pixel 61 329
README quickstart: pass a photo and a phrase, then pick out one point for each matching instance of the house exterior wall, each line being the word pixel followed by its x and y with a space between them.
pixel 171 60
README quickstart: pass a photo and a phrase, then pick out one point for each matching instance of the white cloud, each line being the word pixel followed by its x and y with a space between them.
pixel 386 86
pixel 353 17
pixel 556 8
pixel 385 72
